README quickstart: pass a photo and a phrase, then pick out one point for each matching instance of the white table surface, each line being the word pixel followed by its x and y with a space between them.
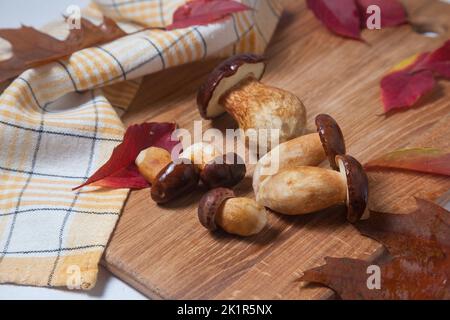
pixel 36 13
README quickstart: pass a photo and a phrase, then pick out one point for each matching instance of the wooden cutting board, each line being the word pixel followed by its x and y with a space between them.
pixel 164 251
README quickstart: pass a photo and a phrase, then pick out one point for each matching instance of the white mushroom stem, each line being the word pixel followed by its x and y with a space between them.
pixel 257 106
pixel 241 216
pixel 306 150
pixel 151 161
pixel 302 190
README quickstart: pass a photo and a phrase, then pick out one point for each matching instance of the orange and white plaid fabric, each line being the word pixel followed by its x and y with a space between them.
pixel 60 122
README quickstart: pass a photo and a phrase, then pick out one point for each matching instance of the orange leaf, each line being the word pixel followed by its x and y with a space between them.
pixel 31 47
pixel 427 160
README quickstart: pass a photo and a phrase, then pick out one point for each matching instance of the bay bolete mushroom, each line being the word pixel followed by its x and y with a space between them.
pixel 216 170
pixel 234 87
pixel 235 215
pixel 223 171
pixel 200 153
pixel 170 180
pixel 174 180
pixel 151 161
pixel 301 190
pixel 307 150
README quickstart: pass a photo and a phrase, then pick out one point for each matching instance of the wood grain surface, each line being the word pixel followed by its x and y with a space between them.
pixel 164 252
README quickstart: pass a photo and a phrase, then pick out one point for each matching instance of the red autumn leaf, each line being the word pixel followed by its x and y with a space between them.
pixel 120 170
pixel 31 47
pixel 439 61
pixel 202 12
pixel 418 264
pixel 128 177
pixel 403 89
pixel 406 83
pixel 427 160
pixel 392 12
pixel 414 77
pixel 340 17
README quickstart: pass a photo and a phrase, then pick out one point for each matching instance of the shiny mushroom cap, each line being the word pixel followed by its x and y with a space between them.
pixel 210 204
pixel 225 76
pixel 223 171
pixel 331 137
pixel 174 180
pixel 357 186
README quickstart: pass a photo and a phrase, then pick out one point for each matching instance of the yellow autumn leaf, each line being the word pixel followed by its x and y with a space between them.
pixel 405 63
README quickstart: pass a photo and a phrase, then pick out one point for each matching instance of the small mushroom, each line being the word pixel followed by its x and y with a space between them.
pixel 216 170
pixel 224 171
pixel 234 87
pixel 200 153
pixel 304 189
pixel 331 136
pixel 173 181
pixel 307 150
pixel 151 161
pixel 240 216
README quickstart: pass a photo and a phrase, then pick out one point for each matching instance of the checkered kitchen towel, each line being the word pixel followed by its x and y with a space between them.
pixel 60 122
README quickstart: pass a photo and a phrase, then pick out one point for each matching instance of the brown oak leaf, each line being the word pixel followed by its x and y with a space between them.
pixel 417 265
pixel 31 47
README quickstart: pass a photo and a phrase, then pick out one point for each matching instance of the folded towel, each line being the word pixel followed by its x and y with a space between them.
pixel 60 122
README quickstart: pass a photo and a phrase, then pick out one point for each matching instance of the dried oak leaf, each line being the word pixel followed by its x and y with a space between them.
pixel 202 12
pixel 120 170
pixel 414 77
pixel 418 266
pixel 426 160
pixel 31 47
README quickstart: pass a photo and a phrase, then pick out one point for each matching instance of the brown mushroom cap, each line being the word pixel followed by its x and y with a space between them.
pixel 224 171
pixel 210 204
pixel 331 137
pixel 174 180
pixel 357 186
pixel 225 76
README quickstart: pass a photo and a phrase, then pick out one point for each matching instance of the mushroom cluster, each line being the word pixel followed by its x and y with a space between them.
pixel 287 180
pixel 234 87
pixel 300 187
pixel 199 162
pixel 297 187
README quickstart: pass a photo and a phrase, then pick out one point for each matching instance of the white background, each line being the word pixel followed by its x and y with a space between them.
pixel 36 13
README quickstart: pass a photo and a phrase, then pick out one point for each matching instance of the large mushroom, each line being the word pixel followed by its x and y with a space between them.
pixel 304 189
pixel 234 87
pixel 308 150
